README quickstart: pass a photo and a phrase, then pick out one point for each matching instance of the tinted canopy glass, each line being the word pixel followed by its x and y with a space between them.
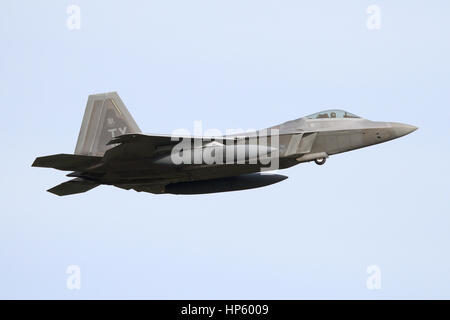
pixel 327 114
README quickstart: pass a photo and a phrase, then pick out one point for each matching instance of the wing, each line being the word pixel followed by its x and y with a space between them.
pixel 165 139
pixel 132 146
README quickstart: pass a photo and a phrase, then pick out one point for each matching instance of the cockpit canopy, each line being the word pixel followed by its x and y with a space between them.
pixel 327 114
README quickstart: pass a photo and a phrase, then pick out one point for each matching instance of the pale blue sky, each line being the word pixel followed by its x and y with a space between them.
pixel 231 64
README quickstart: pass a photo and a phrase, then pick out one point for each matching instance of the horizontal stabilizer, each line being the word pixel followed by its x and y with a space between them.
pixel 74 186
pixel 66 162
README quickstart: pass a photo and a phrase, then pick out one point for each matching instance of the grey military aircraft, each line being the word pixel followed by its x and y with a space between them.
pixel 112 150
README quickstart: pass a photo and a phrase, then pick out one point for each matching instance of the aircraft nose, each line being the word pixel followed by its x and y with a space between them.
pixel 402 129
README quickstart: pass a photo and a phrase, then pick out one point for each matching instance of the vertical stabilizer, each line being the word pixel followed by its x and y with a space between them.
pixel 105 118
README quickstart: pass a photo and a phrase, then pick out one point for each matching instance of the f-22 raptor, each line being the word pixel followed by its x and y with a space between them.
pixel 112 150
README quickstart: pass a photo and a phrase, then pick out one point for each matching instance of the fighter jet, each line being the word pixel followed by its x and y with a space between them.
pixel 111 150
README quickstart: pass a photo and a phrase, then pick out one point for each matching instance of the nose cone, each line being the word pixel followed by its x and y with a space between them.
pixel 402 129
